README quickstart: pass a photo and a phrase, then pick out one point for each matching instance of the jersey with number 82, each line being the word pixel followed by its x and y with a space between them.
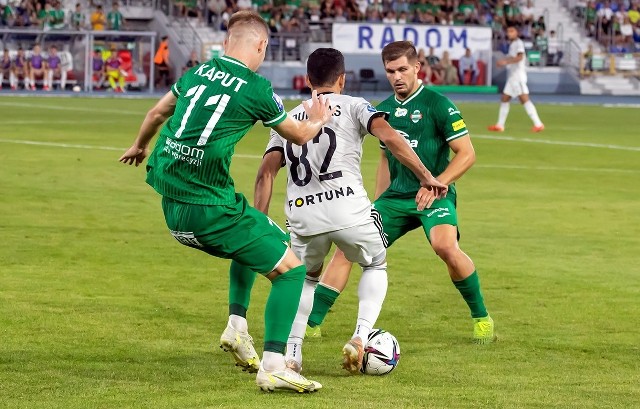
pixel 218 103
pixel 324 188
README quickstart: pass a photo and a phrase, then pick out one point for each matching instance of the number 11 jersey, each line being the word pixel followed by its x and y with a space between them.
pixel 218 103
pixel 324 182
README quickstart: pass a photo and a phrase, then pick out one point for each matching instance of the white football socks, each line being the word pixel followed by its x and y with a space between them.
pixel 273 361
pixel 372 290
pixel 532 112
pixel 294 343
pixel 503 113
pixel 238 323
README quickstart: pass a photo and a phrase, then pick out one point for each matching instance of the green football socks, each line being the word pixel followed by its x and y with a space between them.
pixel 470 290
pixel 323 300
pixel 241 279
pixel 281 308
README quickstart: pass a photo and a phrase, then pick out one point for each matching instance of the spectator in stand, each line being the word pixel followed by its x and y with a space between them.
pixel 468 68
pixel 243 5
pixel 588 59
pixel 449 72
pixel 161 61
pixel 605 17
pixel 527 13
pixel 626 32
pixel 389 17
pixel 37 68
pixel 403 18
pixel 57 17
pixel 78 19
pixel 538 27
pixel 98 19
pixel 542 45
pixel 434 63
pixel 425 72
pixel 5 67
pixel 446 12
pixel 634 14
pixel 591 19
pixel 20 69
pixel 54 68
pixel 193 61
pixel 512 13
pixel 554 50
pixel 98 68
pixel 23 14
pixel 215 8
pixel 115 18
pixel 275 22
pixel 113 72
pixel 7 16
pixel 224 19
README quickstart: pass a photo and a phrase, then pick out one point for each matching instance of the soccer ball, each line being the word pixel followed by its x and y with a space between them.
pixel 381 353
pixel 76 88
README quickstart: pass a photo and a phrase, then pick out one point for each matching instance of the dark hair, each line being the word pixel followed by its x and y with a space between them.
pixel 324 66
pixel 248 17
pixel 399 49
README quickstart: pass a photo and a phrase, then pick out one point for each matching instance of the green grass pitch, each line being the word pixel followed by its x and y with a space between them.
pixel 101 308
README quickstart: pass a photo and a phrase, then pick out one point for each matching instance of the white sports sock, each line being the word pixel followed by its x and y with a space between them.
pixel 238 323
pixel 532 112
pixel 296 336
pixel 503 113
pixel 63 80
pixel 49 79
pixel 273 361
pixel 26 82
pixel 372 290
pixel 12 80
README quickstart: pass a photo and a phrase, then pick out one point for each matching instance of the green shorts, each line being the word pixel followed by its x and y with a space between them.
pixel 400 216
pixel 236 231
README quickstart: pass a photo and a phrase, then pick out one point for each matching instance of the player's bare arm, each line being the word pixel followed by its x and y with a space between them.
pixel 401 150
pixel 383 177
pixel 300 132
pixel 464 158
pixel 150 126
pixel 510 60
pixel 271 164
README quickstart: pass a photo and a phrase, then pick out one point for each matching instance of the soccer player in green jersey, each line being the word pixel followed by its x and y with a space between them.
pixel 207 112
pixel 433 126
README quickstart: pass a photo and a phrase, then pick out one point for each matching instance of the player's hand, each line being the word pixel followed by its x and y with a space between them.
pixel 435 187
pixel 317 108
pixel 425 198
pixel 501 63
pixel 134 155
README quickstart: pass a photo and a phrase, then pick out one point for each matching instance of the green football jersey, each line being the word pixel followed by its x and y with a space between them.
pixel 429 121
pixel 218 103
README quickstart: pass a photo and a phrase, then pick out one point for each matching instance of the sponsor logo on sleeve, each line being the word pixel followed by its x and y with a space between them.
pixel 370 108
pixel 278 102
pixel 457 125
pixel 453 111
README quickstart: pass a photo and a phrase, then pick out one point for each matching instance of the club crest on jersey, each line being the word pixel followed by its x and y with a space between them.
pixel 400 112
pixel 416 116
pixel 319 197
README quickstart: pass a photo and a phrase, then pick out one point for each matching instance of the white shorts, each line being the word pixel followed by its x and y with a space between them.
pixel 360 244
pixel 515 87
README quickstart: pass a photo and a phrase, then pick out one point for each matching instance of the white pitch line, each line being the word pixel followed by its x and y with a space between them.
pixel 562 143
pixel 249 156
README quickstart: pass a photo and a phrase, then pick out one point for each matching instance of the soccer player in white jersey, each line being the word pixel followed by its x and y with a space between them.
pixel 516 85
pixel 327 203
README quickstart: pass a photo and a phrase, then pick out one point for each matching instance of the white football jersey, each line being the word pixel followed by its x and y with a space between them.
pixel 517 71
pixel 324 183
